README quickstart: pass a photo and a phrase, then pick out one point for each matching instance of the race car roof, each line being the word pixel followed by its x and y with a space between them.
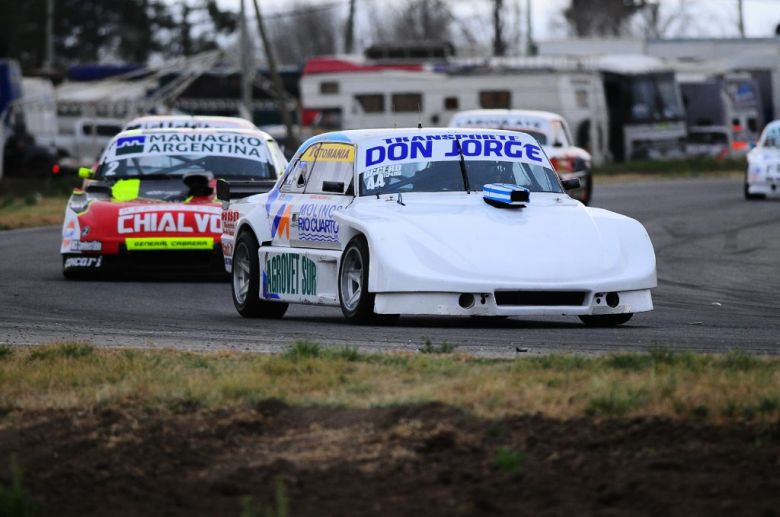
pixel 546 115
pixel 187 121
pixel 204 130
pixel 358 136
pixel 398 146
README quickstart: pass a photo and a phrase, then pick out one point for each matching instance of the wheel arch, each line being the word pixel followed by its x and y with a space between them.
pixel 347 232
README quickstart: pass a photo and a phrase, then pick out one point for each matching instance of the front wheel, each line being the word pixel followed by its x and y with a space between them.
pixel 606 320
pixel 357 304
pixel 752 197
pixel 588 190
pixel 246 282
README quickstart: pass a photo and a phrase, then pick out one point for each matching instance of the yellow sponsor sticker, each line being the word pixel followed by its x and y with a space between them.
pixel 330 153
pixel 169 243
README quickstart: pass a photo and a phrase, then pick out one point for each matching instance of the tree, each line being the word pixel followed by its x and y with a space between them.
pixel 197 26
pixel 304 32
pixel 587 18
pixel 418 20
pixel 666 20
pixel 120 30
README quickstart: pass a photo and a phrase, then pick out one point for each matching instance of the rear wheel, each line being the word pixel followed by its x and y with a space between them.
pixel 606 320
pixel 246 282
pixel 357 304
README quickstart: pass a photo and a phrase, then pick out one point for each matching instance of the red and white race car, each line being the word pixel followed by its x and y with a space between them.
pixel 150 204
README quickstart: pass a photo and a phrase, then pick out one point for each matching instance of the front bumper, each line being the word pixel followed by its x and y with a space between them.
pixel 515 303
pixel 767 186
pixel 169 263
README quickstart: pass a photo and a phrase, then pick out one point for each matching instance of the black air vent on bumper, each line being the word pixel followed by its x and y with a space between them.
pixel 540 298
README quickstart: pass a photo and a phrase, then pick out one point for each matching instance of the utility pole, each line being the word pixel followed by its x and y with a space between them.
pixel 247 69
pixel 741 13
pixel 349 37
pixel 530 45
pixel 48 63
pixel 281 95
pixel 499 45
pixel 426 19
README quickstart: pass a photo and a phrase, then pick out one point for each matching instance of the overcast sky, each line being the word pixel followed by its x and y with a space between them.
pixel 712 18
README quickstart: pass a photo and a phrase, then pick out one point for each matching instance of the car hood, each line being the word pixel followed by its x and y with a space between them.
pixel 554 241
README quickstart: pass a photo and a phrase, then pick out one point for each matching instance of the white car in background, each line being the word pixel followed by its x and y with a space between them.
pixel 552 133
pixel 762 179
pixel 455 222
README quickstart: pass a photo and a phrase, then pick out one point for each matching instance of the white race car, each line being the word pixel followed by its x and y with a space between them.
pixel 763 171
pixel 550 130
pixel 432 222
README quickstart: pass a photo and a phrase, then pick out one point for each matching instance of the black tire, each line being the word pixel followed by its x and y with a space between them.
pixel 588 190
pixel 247 299
pixel 752 197
pixel 606 320
pixel 357 304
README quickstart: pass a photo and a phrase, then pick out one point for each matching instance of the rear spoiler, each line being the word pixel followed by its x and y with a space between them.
pixel 227 190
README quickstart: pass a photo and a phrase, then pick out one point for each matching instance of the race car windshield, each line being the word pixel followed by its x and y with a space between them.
pixel 772 138
pixel 446 176
pixel 174 166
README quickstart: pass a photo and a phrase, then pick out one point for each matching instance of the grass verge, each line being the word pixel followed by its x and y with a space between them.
pixel 31 211
pixel 677 385
pixel 30 202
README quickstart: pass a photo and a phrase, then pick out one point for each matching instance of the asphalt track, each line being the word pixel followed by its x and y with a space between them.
pixel 719 290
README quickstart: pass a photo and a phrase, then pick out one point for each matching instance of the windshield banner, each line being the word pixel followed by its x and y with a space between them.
pixel 444 147
pixel 166 144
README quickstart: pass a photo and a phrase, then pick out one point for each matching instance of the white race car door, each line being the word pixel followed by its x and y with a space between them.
pixel 301 265
pixel 328 189
pixel 319 184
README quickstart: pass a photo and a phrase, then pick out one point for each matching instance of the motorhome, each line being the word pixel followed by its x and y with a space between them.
pixel 724 114
pixel 622 110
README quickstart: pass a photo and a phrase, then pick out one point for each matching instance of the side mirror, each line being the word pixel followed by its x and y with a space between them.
pixel 86 173
pixel 557 143
pixel 571 184
pixel 223 190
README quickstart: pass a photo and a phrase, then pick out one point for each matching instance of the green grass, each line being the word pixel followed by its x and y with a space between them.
pixel 732 386
pixel 684 167
pixel 279 508
pixel 15 500
pixel 509 461
pixel 429 348
pixel 29 202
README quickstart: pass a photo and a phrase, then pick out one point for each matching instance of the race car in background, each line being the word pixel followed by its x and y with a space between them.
pixel 552 133
pixel 150 204
pixel 433 222
pixel 762 178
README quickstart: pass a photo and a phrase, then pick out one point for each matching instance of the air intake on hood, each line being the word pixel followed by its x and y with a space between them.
pixel 540 298
pixel 505 195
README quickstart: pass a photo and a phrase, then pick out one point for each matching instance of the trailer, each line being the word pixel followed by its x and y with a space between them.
pixel 596 97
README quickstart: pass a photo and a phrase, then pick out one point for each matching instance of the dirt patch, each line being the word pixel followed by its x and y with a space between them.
pixel 410 460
